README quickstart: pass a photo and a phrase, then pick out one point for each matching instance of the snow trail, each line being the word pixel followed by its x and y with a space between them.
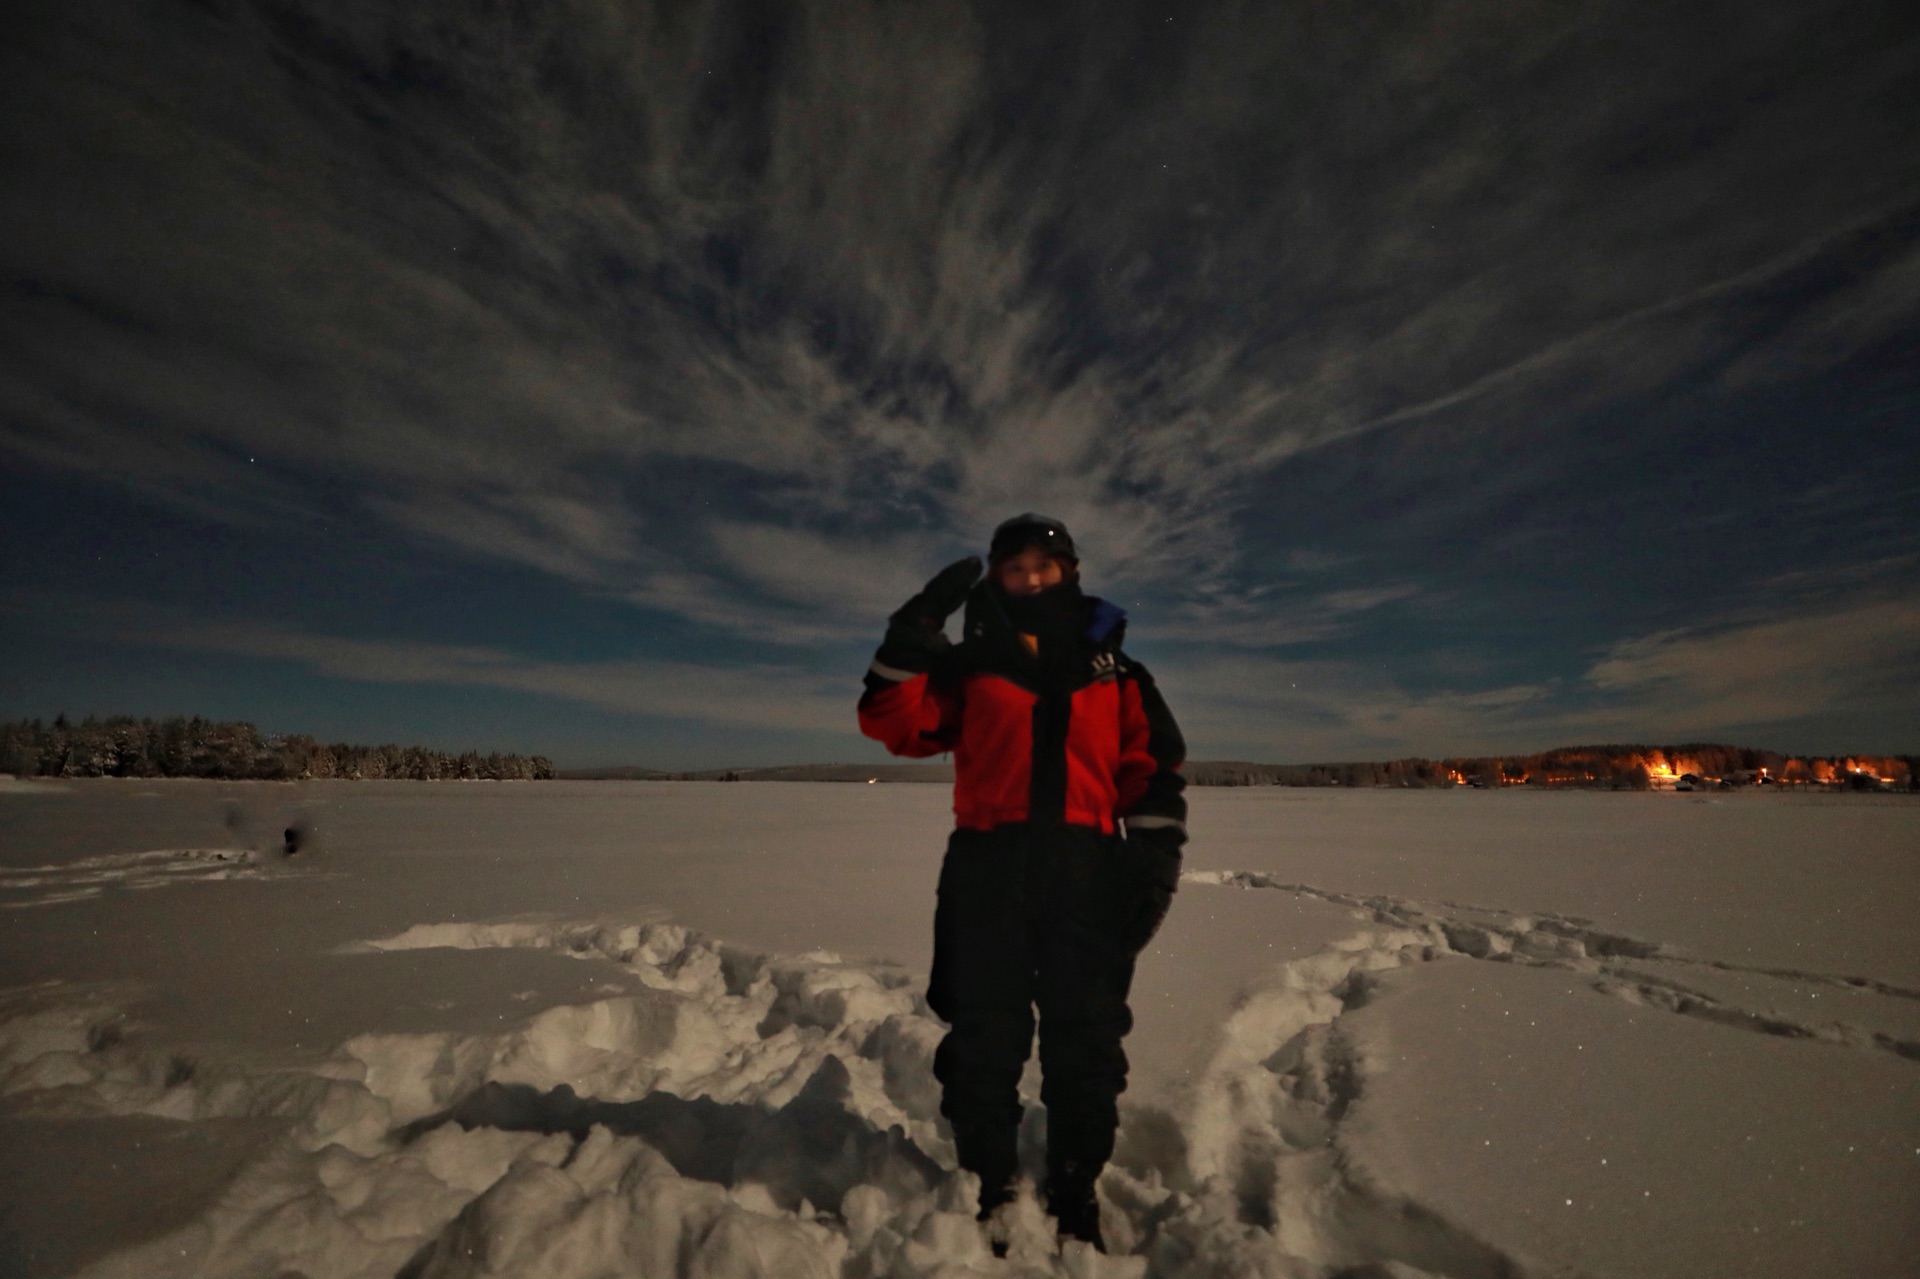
pixel 747 1114
pixel 25 887
pixel 1569 942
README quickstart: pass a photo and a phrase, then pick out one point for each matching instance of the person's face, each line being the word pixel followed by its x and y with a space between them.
pixel 1029 572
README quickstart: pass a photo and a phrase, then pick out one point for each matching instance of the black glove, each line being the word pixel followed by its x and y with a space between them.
pixel 930 609
pixel 915 634
pixel 1152 859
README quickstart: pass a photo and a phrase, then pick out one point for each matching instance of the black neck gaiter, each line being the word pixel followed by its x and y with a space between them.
pixel 1056 616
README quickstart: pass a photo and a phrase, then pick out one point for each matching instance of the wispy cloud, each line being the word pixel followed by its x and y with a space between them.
pixel 1252 707
pixel 728 318
pixel 765 697
pixel 1837 664
pixel 1766 672
pixel 1276 615
pixel 1834 665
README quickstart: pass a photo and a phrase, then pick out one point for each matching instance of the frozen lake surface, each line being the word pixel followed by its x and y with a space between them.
pixel 677 1028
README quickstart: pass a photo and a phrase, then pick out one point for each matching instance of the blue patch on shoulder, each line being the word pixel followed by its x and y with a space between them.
pixel 1106 616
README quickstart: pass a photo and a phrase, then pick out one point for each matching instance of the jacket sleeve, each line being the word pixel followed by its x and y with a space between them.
pixel 909 712
pixel 1151 753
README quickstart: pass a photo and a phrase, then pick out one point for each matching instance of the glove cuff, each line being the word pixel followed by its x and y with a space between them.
pixel 1162 832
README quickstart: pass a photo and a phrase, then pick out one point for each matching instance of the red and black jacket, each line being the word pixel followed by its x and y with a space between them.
pixel 1079 736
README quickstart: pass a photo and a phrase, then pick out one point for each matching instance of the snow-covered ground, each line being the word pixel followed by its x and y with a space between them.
pixel 677 1029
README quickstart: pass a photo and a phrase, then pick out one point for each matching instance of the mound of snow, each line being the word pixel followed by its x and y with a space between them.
pixel 740 1112
pixel 747 1114
pixel 744 1114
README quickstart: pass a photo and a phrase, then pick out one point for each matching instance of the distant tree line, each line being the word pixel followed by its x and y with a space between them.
pixel 122 746
pixel 1627 767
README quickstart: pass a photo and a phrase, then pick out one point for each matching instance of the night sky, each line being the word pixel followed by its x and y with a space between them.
pixel 592 378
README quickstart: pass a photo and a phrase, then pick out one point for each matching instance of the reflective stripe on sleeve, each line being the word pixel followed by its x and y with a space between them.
pixel 893 673
pixel 1154 823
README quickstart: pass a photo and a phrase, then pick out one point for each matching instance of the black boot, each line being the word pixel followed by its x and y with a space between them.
pixel 996 1191
pixel 992 1195
pixel 1071 1200
pixel 991 1153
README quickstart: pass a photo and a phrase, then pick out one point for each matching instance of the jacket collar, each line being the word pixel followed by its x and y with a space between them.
pixel 987 625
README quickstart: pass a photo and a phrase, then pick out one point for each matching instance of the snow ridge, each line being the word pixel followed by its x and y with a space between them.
pixel 743 1114
pixel 1247 1174
pixel 748 1114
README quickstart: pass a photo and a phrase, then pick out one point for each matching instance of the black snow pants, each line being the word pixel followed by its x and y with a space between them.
pixel 1032 916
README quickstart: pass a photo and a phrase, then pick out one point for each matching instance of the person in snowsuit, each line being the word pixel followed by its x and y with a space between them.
pixel 1069 823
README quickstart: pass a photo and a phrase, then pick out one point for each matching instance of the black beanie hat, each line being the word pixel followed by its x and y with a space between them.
pixel 1041 532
